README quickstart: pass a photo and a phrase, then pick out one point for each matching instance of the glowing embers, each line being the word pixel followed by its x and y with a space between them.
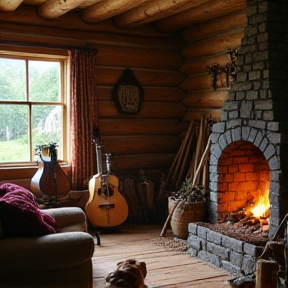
pixel 251 222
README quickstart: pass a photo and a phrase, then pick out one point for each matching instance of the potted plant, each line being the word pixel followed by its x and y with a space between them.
pixel 187 205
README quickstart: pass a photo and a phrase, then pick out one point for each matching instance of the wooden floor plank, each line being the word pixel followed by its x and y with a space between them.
pixel 166 268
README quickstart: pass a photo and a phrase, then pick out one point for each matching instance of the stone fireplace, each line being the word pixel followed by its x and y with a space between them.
pixel 249 151
pixel 249 145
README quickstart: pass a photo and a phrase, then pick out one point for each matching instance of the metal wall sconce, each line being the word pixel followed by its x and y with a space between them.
pixel 229 69
pixel 214 71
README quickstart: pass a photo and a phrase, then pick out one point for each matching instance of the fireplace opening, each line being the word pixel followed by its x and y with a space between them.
pixel 244 180
pixel 243 205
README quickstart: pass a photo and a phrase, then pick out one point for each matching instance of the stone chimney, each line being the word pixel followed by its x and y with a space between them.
pixel 254 119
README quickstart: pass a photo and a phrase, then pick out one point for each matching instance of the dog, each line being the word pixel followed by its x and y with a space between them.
pixel 128 274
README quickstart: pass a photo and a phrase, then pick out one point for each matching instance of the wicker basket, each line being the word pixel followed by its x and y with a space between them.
pixel 184 214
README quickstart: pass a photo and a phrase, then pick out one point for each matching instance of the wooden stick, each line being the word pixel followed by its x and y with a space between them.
pixel 201 161
pixel 163 231
pixel 184 162
pixel 181 151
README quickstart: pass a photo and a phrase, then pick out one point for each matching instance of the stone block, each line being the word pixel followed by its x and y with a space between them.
pixel 202 232
pixel 216 150
pixel 192 228
pixel 248 265
pixel 264 144
pixel 242 77
pixel 209 257
pixel 252 95
pixel 192 252
pixel 254 251
pixel 233 244
pixel 269 151
pixel 233 114
pixel 264 104
pixel 218 250
pixel 274 163
pixel 236 258
pixel 268 115
pixel 240 95
pixel 214 237
pixel 236 134
pixel 260 124
pixel 194 242
pixel 255 75
pixel 228 266
pixel 218 127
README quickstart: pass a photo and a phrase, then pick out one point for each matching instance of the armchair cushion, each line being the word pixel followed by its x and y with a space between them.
pixel 20 215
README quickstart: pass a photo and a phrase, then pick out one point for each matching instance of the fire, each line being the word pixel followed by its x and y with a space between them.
pixel 262 206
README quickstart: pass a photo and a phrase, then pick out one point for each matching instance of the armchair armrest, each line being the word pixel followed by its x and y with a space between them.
pixel 68 219
pixel 53 251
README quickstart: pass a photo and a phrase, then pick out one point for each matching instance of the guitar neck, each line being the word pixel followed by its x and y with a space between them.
pixel 99 159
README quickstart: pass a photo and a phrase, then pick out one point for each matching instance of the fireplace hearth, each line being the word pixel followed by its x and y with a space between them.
pixel 249 147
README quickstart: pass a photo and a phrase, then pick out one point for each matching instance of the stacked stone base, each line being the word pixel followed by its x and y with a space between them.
pixel 232 255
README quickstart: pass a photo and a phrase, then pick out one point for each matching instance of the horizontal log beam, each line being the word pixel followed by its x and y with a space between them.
pixel 109 76
pixel 204 12
pixel 153 10
pixel 126 145
pixel 152 110
pixel 203 82
pixel 52 9
pixel 206 99
pixel 113 127
pixel 146 162
pixel 216 44
pixel 8 5
pixel 138 57
pixel 195 114
pixel 199 65
pixel 71 21
pixel 152 94
pixel 54 36
pixel 221 24
pixel 107 9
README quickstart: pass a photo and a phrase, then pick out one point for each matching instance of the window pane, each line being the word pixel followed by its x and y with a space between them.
pixel 44 81
pixel 12 79
pixel 14 141
pixel 47 125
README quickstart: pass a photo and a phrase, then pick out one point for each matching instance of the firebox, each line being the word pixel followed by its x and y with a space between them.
pixel 240 175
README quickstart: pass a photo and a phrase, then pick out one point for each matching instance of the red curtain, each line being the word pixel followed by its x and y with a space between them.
pixel 83 116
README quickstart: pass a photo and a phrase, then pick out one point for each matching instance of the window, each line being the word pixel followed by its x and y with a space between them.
pixel 33 110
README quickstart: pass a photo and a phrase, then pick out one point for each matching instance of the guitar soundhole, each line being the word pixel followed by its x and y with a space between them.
pixel 104 192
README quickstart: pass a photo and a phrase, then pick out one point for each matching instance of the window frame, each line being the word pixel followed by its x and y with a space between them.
pixel 52 55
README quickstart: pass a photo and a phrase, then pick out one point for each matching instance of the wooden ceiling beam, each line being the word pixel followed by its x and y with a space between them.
pixel 8 5
pixel 204 12
pixel 107 9
pixel 152 11
pixel 53 9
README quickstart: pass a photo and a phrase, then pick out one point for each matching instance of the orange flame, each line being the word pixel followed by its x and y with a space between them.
pixel 262 206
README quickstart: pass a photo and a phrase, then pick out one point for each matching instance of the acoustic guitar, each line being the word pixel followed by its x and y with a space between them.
pixel 106 206
pixel 49 180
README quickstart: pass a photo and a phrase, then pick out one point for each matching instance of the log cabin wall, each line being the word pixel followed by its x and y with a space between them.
pixel 147 140
pixel 171 67
pixel 209 43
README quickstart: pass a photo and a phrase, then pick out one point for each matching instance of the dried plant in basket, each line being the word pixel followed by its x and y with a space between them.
pixel 190 193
